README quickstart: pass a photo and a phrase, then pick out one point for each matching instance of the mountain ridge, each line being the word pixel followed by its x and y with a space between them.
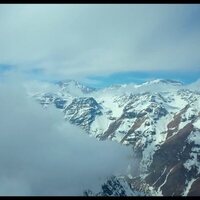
pixel 162 124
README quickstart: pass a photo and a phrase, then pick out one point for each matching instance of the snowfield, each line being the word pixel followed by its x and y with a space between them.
pixel 160 119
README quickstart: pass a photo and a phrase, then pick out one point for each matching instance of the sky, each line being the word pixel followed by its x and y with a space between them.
pixel 42 154
pixel 101 44
pixel 140 77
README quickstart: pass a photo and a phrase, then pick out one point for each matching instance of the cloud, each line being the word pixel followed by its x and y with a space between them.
pixel 82 40
pixel 41 154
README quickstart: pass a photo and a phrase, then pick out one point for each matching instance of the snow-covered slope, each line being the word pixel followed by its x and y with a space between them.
pixel 156 85
pixel 160 119
pixel 74 88
pixel 194 86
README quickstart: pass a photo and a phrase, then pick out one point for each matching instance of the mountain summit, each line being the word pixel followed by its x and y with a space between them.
pixel 74 87
pixel 166 81
pixel 159 119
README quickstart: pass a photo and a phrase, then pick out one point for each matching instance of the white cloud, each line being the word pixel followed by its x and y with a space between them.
pixel 81 40
pixel 41 154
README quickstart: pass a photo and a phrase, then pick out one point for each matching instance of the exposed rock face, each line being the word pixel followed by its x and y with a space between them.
pixel 167 165
pixel 161 121
pixel 82 112
pixel 115 187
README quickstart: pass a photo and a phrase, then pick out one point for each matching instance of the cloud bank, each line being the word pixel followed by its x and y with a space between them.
pixel 41 154
pixel 82 40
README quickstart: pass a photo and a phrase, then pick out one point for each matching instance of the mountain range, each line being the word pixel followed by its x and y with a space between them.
pixel 159 119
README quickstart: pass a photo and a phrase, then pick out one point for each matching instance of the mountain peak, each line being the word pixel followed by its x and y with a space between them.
pixel 67 82
pixel 72 85
pixel 165 81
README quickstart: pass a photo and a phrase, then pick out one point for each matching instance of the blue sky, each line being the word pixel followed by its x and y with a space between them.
pixel 140 77
pixel 4 68
pixel 101 44
pixel 184 76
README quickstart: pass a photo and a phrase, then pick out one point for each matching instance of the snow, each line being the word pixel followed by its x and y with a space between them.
pixel 157 86
pixel 156 139
pixel 190 111
pixel 197 124
pixel 159 176
pixel 194 137
pixel 194 86
pixel 178 102
pixel 193 161
pixel 161 127
pixel 123 129
pixel 153 94
pixel 99 125
pixel 182 124
pixel 129 191
pixel 188 187
pixel 147 156
pixel 72 89
pixel 109 104
pixel 159 189
pixel 150 86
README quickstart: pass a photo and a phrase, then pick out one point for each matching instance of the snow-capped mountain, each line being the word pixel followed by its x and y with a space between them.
pixel 63 93
pixel 114 186
pixel 194 86
pixel 149 86
pixel 74 87
pixel 160 119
